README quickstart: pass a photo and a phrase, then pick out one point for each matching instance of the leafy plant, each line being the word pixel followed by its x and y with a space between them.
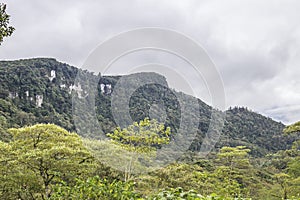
pixel 140 138
pixel 5 29
pixel 95 188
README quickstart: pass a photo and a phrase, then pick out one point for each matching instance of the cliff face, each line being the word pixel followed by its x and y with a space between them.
pixel 40 91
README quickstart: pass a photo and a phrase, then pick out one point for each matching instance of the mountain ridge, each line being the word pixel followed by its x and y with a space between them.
pixel 39 90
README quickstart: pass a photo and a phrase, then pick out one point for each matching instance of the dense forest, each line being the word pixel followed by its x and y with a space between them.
pixel 41 90
pixel 44 156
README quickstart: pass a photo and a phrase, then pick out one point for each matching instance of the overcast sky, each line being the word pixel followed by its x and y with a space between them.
pixel 255 44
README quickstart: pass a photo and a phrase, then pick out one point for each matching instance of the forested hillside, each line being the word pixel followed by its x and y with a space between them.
pixel 40 91
pixel 42 156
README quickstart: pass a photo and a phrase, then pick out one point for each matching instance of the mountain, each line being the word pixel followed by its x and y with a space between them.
pixel 40 90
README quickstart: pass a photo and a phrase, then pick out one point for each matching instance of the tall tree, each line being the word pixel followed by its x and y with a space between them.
pixel 5 29
pixel 38 157
pixel 140 138
pixel 235 171
pixel 293 166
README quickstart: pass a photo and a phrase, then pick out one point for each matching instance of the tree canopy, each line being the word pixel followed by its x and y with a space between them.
pixel 293 128
pixel 5 29
pixel 143 138
pixel 38 157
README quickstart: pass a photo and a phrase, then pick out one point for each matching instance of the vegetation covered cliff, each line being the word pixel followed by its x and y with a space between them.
pixel 40 90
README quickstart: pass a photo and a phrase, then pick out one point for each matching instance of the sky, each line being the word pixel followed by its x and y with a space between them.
pixel 254 44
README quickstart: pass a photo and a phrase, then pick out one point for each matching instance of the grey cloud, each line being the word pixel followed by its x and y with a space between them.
pixel 254 44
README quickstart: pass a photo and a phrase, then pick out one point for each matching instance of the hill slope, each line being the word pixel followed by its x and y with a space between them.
pixel 40 91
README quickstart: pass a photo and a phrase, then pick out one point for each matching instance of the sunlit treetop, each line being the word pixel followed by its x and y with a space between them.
pixel 141 136
pixel 292 128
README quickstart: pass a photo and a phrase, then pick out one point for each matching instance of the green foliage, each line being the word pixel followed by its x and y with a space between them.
pixel 38 157
pixel 177 194
pixel 242 127
pixel 230 175
pixel 285 172
pixel 259 133
pixel 234 157
pixel 145 136
pixel 20 77
pixel 173 176
pixel 292 128
pixel 140 138
pixel 5 29
pixel 124 163
pixel 46 161
pixel 234 170
pixel 95 189
pixel 4 135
